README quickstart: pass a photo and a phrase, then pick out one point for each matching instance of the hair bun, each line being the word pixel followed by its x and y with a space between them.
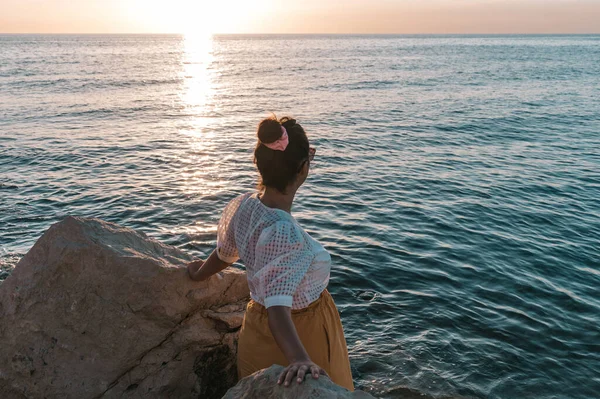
pixel 269 130
pixel 287 122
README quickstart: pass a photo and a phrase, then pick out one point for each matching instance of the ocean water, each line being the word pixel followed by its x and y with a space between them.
pixel 456 182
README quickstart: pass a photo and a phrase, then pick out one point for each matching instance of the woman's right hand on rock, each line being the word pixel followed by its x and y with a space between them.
pixel 193 268
pixel 298 370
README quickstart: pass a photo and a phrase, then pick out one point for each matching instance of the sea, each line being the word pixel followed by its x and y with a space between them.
pixel 456 182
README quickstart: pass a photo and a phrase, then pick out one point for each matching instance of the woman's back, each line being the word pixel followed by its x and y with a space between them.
pixel 285 265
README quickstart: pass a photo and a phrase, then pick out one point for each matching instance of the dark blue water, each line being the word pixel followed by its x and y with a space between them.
pixel 456 183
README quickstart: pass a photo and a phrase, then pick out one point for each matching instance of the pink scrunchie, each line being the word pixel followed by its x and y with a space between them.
pixel 281 143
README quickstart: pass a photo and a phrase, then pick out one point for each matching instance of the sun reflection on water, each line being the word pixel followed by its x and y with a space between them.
pixel 197 71
pixel 200 172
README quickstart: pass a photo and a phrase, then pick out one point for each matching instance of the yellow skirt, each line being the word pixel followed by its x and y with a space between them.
pixel 319 328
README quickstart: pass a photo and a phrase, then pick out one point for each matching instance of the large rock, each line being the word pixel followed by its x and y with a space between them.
pixel 97 310
pixel 263 385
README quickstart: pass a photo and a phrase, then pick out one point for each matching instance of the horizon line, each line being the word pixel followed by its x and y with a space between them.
pixel 311 33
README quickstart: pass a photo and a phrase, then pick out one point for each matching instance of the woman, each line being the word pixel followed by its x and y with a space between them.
pixel 291 319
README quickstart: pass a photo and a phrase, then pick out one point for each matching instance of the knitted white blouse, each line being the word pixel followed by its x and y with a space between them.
pixel 285 265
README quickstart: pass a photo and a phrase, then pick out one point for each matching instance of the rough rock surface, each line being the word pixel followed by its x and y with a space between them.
pixel 96 310
pixel 263 385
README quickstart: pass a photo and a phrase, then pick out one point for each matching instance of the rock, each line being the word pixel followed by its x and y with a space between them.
pixel 263 385
pixel 95 310
pixel 230 320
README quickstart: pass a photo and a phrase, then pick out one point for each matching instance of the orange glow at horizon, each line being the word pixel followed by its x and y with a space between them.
pixel 194 17
pixel 200 17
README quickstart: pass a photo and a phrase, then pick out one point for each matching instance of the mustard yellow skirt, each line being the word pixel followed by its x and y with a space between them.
pixel 319 328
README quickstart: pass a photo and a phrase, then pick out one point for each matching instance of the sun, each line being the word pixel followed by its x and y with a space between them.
pixel 219 16
pixel 196 17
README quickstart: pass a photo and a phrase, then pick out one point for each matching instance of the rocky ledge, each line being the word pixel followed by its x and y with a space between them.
pixel 96 310
pixel 263 385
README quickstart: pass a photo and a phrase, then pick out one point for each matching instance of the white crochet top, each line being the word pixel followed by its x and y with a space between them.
pixel 285 266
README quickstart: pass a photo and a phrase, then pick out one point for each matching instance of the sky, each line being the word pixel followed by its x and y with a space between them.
pixel 299 16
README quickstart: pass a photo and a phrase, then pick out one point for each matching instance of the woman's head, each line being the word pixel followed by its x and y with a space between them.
pixel 280 169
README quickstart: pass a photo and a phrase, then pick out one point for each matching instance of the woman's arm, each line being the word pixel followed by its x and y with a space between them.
pixel 285 334
pixel 200 270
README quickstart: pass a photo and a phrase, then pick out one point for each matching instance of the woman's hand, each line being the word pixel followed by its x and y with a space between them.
pixel 299 370
pixel 200 270
pixel 285 334
pixel 193 268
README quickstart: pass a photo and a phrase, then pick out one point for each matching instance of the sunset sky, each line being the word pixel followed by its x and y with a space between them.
pixel 300 16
